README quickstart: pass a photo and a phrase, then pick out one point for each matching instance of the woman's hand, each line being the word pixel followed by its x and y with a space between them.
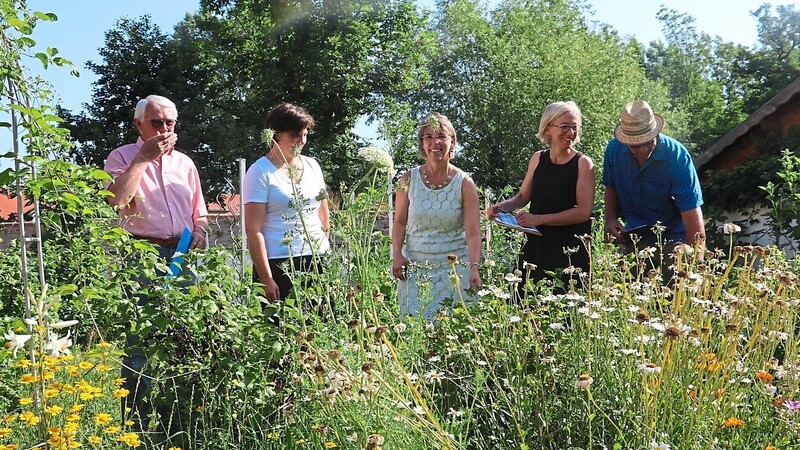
pixel 271 290
pixel 475 277
pixel 527 219
pixel 399 266
pixel 494 210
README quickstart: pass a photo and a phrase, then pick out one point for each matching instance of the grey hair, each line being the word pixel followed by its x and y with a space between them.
pixel 158 100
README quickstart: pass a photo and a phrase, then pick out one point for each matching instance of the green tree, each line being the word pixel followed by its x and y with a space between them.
pixel 774 62
pixel 139 60
pixel 496 71
pixel 340 60
pixel 694 67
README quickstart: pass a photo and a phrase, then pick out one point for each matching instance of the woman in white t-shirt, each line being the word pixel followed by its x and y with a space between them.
pixel 286 211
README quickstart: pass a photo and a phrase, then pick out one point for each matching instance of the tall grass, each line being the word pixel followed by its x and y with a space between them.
pixel 624 360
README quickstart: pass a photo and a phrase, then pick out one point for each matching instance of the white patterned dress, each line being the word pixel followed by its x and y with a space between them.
pixel 435 229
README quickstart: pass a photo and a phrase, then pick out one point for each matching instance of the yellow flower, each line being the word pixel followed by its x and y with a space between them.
pixel 733 422
pixel 104 345
pixel 29 418
pixel 104 368
pixel 94 439
pixel 9 419
pixel 770 447
pixel 76 407
pixel 54 410
pixel 86 396
pixel 113 429
pixel 103 419
pixel 28 379
pixel 71 428
pixel 131 439
pixel 85 365
pixel 121 393
pixel 24 401
pixel 174 448
pixel 51 393
pixel 300 441
pixel 73 371
pixel 5 432
pixel 119 381
pixel 50 361
pixel 8 447
pixel 48 374
pixel 330 445
pixel 72 417
pixel 23 363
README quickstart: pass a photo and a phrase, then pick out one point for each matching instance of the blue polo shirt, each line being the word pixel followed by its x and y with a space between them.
pixel 659 191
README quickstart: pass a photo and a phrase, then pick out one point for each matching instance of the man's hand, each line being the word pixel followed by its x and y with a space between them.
pixel 153 148
pixel 614 230
pixel 198 238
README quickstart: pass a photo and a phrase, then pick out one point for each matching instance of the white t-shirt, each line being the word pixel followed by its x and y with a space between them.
pixel 283 230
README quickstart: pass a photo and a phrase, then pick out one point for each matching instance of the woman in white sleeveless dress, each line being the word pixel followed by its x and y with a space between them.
pixel 437 215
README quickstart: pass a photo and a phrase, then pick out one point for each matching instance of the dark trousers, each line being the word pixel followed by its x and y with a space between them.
pixel 136 405
pixel 307 264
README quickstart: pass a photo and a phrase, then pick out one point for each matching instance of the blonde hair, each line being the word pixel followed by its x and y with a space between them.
pixel 551 113
pixel 438 122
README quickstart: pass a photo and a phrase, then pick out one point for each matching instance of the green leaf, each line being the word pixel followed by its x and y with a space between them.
pixel 26 41
pixel 6 177
pixel 50 17
pixel 43 58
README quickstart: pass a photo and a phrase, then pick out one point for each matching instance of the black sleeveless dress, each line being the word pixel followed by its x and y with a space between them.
pixel 553 191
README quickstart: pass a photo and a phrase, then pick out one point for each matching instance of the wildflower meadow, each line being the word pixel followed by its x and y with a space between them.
pixel 622 357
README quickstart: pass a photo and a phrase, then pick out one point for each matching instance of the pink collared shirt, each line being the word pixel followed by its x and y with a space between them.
pixel 169 197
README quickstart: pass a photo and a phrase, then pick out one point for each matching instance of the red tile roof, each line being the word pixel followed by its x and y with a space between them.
pixel 8 206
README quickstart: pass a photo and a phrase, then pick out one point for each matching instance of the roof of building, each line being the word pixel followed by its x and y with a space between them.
pixel 752 121
pixel 8 206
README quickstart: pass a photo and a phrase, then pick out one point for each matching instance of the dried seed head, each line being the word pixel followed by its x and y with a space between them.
pixel 379 332
pixel 672 332
pixel 355 323
pixel 731 328
pixel 642 317
pixel 452 258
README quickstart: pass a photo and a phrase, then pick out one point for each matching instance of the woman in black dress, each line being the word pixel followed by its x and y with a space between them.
pixel 559 185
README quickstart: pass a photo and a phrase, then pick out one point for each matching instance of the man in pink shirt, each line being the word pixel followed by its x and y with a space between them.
pixel 158 191
pixel 157 187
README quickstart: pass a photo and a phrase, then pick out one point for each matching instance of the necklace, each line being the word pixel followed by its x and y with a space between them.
pixel 427 181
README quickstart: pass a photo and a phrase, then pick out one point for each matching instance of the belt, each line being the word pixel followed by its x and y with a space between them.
pixel 168 243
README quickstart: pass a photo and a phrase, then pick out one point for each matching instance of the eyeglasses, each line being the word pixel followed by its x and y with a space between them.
pixel 437 137
pixel 158 123
pixel 565 128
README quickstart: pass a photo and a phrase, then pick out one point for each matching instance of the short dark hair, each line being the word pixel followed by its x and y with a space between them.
pixel 289 117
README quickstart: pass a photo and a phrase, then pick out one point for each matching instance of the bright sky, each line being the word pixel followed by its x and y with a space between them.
pixel 82 24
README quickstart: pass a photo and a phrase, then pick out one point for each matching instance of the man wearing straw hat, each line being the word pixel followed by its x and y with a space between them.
pixel 650 178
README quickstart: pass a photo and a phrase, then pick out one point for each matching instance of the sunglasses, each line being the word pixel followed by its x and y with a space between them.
pixel 158 123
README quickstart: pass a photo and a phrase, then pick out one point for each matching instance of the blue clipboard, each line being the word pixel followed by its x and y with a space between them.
pixel 177 259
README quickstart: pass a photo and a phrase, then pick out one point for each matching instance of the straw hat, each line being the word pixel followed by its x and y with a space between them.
pixel 638 124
